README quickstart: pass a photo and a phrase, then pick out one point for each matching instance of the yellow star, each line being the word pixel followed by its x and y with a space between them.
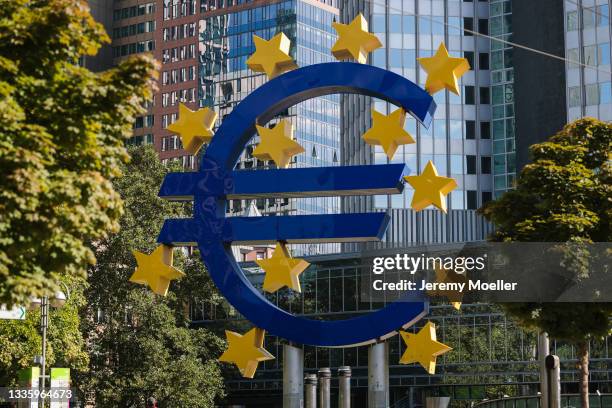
pixel 194 127
pixel 156 270
pixel 282 270
pixel 443 71
pixel 271 57
pixel 423 348
pixel 429 188
pixel 388 131
pixel 246 351
pixel 444 275
pixel 277 144
pixel 354 40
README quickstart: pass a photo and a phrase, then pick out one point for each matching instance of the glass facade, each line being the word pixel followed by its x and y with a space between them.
pixel 226 41
pixel 587 40
pixel 502 97
pixel 458 141
pixel 488 348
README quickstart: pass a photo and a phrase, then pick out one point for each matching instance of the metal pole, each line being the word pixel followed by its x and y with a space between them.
pixel 44 323
pixel 378 375
pixel 310 384
pixel 324 387
pixel 543 351
pixel 293 384
pixel 554 381
pixel 344 386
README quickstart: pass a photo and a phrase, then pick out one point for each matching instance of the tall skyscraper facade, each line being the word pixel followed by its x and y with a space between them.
pixel 459 140
pixel 559 71
pixel 226 41
pixel 587 41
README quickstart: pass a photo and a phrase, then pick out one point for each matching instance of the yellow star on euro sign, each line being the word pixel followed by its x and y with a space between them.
pixel 354 40
pixel 194 127
pixel 443 71
pixel 156 269
pixel 388 131
pixel 423 348
pixel 429 188
pixel 246 351
pixel 271 57
pixel 444 275
pixel 282 270
pixel 277 144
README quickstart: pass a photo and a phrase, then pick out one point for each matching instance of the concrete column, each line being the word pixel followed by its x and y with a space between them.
pixel 293 371
pixel 324 387
pixel 378 375
pixel 543 351
pixel 344 386
pixel 310 385
pixel 554 381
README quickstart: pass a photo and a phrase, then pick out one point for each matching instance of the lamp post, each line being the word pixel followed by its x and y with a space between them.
pixel 57 301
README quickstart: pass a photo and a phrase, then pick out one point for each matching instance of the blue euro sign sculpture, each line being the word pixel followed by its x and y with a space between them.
pixel 216 182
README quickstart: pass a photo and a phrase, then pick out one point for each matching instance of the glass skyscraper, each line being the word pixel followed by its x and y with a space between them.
pixel 459 140
pixel 502 97
pixel 587 40
pixel 226 41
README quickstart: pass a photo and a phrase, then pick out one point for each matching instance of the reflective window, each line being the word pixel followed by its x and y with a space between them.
pixel 395 23
pixel 603 54
pixel 605 93
pixel 592 94
pixel 574 96
pixel 572 21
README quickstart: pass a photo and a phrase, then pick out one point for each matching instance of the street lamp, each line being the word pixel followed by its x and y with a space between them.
pixel 57 301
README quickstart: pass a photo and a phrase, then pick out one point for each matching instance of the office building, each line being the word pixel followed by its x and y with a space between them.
pixel 226 43
pixel 459 140
pixel 491 355
pixel 534 94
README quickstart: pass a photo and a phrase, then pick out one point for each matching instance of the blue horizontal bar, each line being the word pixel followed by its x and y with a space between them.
pixel 270 229
pixel 289 183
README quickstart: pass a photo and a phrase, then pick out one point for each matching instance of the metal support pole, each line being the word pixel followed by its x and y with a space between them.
pixel 44 323
pixel 324 387
pixel 293 369
pixel 344 385
pixel 543 351
pixel 378 375
pixel 553 369
pixel 310 385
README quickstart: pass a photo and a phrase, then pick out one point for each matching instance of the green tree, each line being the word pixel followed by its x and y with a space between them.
pixel 563 196
pixel 20 340
pixel 62 136
pixel 142 345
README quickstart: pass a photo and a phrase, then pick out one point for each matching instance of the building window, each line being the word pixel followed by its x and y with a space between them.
pixel 470 129
pixel 486 197
pixel 605 93
pixel 468 24
pixel 485 130
pixel 572 21
pixel 470 98
pixel 483 26
pixel 485 164
pixel 484 95
pixel 469 56
pixel 483 60
pixel 470 164
pixel 472 199
pixel 592 94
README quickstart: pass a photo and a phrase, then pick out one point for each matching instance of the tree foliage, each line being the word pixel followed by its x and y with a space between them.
pixel 564 195
pixel 20 340
pixel 142 346
pixel 62 132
